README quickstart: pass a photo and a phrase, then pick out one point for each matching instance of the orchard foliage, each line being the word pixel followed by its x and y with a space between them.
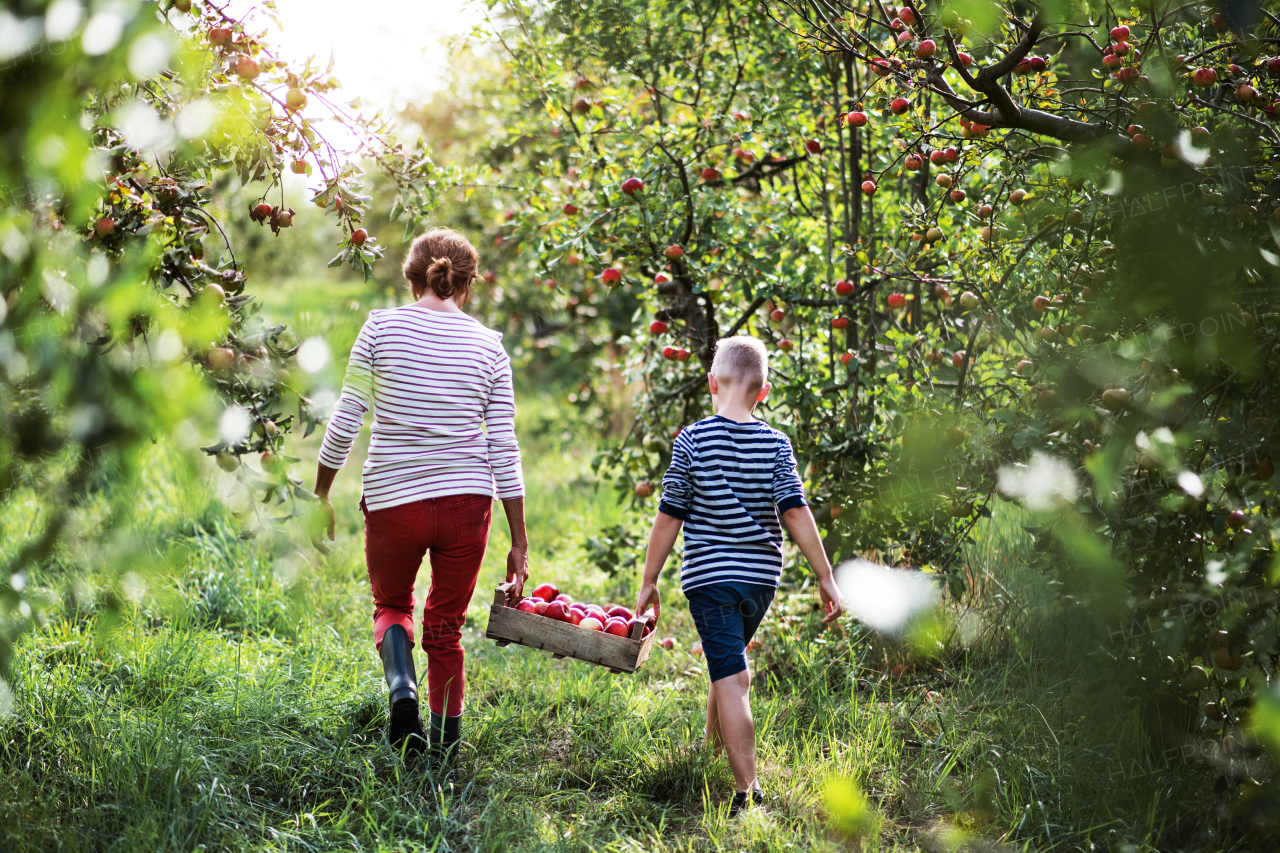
pixel 126 314
pixel 999 251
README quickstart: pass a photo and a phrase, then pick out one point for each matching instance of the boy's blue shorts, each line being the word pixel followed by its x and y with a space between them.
pixel 727 616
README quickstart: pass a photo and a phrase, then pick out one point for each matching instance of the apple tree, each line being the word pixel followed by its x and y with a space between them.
pixel 1000 251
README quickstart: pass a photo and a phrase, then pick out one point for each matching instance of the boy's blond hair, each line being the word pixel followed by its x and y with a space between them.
pixel 741 361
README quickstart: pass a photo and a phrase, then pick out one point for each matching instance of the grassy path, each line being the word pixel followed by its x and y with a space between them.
pixel 239 706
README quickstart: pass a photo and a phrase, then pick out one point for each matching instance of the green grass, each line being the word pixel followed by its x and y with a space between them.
pixel 237 705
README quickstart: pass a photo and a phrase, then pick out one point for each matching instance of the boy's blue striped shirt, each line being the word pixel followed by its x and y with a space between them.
pixel 727 482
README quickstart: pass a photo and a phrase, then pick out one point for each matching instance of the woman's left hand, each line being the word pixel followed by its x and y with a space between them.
pixel 517 572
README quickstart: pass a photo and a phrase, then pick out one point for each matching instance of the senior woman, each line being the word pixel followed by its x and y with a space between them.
pixel 443 445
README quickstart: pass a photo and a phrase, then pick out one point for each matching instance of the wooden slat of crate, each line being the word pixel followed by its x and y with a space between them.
pixel 621 654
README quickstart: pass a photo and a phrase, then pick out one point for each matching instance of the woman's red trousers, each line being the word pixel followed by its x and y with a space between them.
pixel 453 531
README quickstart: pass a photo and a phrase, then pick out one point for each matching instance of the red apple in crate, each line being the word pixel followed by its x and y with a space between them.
pixel 619 610
pixel 527 605
pixel 597 612
pixel 546 591
pixel 542 606
pixel 563 598
pixel 616 627
pixel 557 611
pixel 631 626
pixel 591 623
pixel 574 616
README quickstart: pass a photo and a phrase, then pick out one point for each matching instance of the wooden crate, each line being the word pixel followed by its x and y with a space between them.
pixel 565 640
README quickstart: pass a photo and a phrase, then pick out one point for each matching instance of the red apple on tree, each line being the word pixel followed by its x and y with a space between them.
pixel 683 354
pixel 869 187
pixel 1236 519
pixel 295 99
pixel 898 106
pixel 643 489
pixel 777 314
pixel 570 208
pixel 1205 76
pixel 669 353
pixel 842 322
pixel 907 16
pixel 957 359
pixel 844 287
pixel 969 300
pixel 359 236
pixel 926 49
pixel 952 155
pixel 221 358
pixel 1120 33
pixel 220 36
pixel 846 357
pixel 958 195
pixel 937 157
pixel 913 162
pixel 856 118
pixel 785 345
pixel 247 68
pixel 612 276
pixel 631 186
pixel 105 227
pixel 965 59
pixel 1115 398
pixel 658 327
pixel 1040 303
pixel 896 300
pixel 710 174
pixel 813 146
pixel 673 251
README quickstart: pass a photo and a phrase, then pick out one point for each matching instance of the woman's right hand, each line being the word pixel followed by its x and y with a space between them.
pixel 517 572
pixel 328 521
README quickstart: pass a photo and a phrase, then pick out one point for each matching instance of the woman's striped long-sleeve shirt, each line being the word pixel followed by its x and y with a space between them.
pixel 443 407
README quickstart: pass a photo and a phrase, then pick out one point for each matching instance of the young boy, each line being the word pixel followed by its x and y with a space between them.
pixel 729 478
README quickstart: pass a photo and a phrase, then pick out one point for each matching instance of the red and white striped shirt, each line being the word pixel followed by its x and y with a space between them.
pixel 432 378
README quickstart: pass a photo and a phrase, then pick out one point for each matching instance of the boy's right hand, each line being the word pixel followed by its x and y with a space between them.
pixel 647 598
pixel 831 599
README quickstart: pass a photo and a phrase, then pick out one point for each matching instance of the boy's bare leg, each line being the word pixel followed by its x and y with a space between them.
pixel 737 729
pixel 713 743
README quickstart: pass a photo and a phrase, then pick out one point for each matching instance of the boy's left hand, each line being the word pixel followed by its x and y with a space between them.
pixel 831 598
pixel 648 597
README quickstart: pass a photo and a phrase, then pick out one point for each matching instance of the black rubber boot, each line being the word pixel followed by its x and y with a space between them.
pixel 405 729
pixel 445 734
